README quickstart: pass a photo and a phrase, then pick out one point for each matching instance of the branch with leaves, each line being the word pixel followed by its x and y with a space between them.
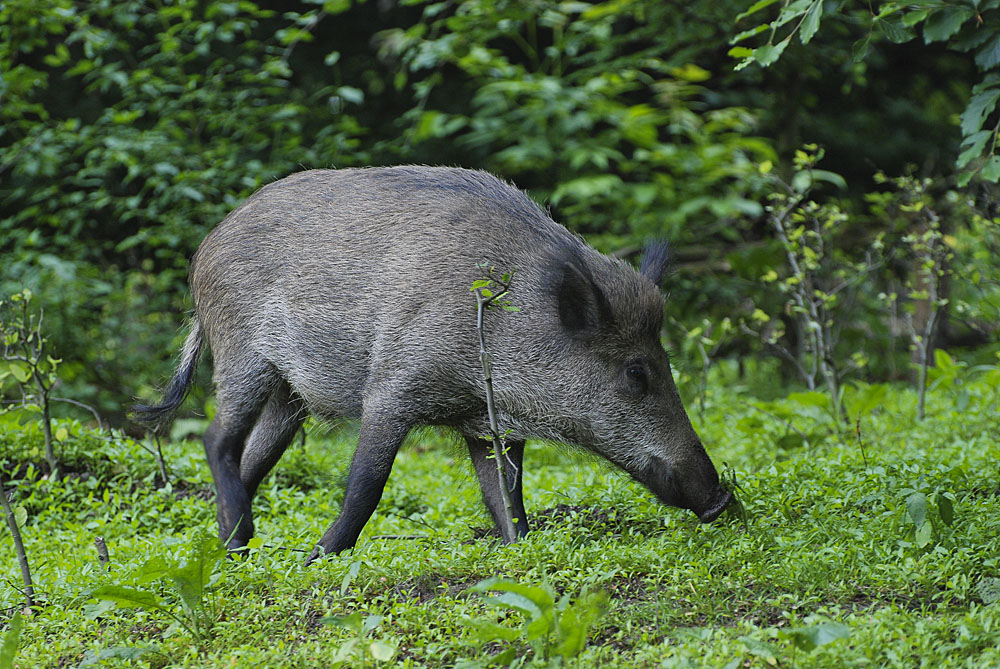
pixel 28 363
pixel 965 27
pixel 931 255
pixel 492 291
pixel 813 279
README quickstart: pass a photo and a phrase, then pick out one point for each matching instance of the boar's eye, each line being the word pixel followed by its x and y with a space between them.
pixel 635 374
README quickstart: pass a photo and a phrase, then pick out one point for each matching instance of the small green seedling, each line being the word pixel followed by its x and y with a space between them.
pixel 356 652
pixel 556 630
pixel 811 637
pixel 189 579
pixel 920 511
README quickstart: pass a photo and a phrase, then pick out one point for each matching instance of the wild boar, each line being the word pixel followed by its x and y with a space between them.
pixel 346 294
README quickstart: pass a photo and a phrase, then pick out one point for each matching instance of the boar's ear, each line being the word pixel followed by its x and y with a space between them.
pixel 654 262
pixel 582 305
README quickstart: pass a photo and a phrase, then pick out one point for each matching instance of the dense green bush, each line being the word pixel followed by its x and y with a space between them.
pixel 129 129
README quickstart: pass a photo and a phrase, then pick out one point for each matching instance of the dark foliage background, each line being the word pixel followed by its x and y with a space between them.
pixel 129 128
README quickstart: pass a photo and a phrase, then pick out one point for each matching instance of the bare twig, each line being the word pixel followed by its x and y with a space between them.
pixel 159 459
pixel 22 556
pixel 416 521
pixel 102 553
pixel 861 443
pixel 92 410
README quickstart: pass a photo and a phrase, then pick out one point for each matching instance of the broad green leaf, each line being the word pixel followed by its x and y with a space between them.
pixel 945 22
pixel 487 631
pixel 988 56
pixel 814 636
pixel 894 30
pixel 946 510
pixel 351 574
pixel 10 641
pixel 768 54
pixel 914 17
pixel 152 569
pixel 336 6
pixel 20 515
pixel 92 659
pixel 810 399
pixel 128 598
pixel 916 507
pixel 370 623
pixel 97 609
pixel 346 651
pixel 538 596
pixel 62 434
pixel 923 535
pixel 768 652
pixel 755 7
pixel 811 23
pixel 541 626
pixel 829 177
pixel 191 578
pixel 975 142
pixel 518 602
pixel 576 621
pixel 352 622
pixel 859 50
pixel 585 188
pixel 980 106
pixel 351 94
pixel 382 651
pixel 746 34
pixel 944 362
pixel 863 399
pixel 19 370
pixel 791 12
pixel 991 170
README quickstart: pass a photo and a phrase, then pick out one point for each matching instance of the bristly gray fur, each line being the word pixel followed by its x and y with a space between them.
pixel 655 261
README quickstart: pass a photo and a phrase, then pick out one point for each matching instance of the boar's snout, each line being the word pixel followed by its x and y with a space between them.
pixel 696 488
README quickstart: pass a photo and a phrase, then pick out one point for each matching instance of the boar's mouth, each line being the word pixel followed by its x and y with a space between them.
pixel 716 509
pixel 664 483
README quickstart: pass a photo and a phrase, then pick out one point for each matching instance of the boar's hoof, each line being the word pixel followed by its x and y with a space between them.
pixel 316 554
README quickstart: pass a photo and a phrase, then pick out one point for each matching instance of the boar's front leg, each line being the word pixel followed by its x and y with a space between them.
pixel 486 470
pixel 382 433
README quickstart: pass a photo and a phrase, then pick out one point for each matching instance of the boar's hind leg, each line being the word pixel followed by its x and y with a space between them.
pixel 241 394
pixel 486 470
pixel 382 433
pixel 281 419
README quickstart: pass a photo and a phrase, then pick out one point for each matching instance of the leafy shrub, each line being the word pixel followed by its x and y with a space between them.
pixel 556 630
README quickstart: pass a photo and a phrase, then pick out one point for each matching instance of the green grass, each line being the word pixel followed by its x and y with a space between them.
pixel 830 543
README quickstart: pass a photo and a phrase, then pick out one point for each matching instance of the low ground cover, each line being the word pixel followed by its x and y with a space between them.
pixel 873 543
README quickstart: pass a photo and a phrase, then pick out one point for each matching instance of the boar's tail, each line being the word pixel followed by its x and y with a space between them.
pixel 154 415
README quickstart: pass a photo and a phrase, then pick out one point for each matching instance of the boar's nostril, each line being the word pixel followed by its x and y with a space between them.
pixel 716 509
